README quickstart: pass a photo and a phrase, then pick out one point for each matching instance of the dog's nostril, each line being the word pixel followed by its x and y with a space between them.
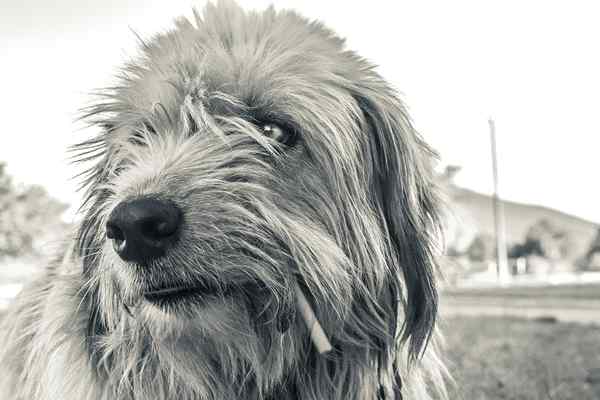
pixel 143 229
pixel 114 232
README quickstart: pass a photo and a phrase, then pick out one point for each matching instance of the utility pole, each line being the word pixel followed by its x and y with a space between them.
pixel 500 232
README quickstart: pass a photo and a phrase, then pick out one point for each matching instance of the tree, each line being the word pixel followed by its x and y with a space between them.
pixel 594 249
pixel 29 217
pixel 545 239
pixel 482 248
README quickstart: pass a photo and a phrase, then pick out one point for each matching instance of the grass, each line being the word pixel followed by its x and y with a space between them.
pixel 506 358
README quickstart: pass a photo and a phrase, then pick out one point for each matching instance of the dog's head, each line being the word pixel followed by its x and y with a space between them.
pixel 241 155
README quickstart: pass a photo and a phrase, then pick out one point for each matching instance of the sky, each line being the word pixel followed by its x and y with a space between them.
pixel 533 66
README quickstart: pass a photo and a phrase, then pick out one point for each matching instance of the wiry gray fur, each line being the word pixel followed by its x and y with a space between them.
pixel 349 212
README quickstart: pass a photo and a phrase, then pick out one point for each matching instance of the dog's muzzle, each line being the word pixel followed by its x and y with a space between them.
pixel 143 229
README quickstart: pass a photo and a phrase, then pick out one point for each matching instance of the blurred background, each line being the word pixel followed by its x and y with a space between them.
pixel 507 92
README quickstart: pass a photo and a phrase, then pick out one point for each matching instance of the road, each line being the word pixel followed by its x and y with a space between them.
pixel 567 309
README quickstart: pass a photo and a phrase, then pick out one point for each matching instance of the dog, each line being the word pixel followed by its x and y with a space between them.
pixel 245 161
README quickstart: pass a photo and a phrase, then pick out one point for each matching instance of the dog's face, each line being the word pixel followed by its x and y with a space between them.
pixel 240 157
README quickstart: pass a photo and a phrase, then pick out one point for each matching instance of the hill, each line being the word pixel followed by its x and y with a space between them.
pixel 476 208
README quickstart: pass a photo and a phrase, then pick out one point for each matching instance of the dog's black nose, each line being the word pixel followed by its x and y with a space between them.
pixel 142 229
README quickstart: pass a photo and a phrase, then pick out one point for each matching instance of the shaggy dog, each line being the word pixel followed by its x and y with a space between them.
pixel 245 157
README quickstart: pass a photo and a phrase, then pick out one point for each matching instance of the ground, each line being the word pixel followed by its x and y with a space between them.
pixel 506 358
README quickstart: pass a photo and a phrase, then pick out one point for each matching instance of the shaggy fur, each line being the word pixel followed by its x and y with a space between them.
pixel 348 211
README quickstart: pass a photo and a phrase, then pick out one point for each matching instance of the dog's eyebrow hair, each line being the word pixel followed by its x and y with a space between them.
pixel 249 109
pixel 223 103
pixel 149 126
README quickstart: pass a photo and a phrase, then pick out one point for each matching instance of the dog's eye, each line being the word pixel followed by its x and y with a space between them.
pixel 274 132
pixel 278 133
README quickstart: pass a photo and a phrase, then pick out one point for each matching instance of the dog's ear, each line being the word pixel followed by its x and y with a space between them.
pixel 404 191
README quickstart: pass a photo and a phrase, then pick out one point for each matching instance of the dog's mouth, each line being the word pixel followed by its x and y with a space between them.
pixel 170 294
pixel 166 296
